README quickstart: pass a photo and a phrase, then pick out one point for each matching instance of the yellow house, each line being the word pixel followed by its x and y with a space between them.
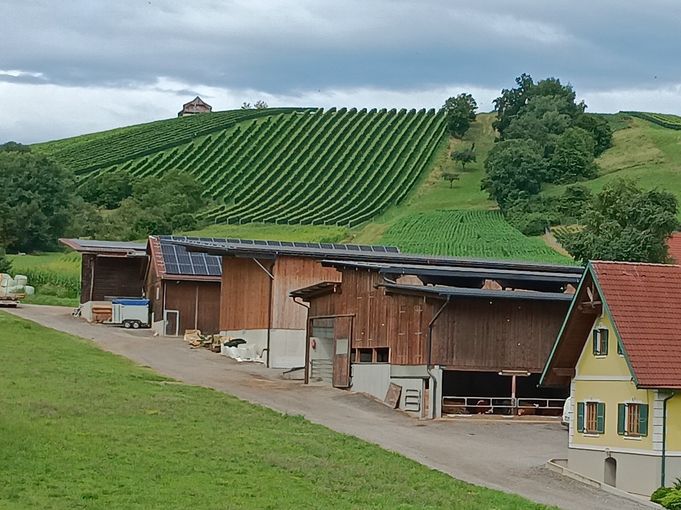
pixel 620 351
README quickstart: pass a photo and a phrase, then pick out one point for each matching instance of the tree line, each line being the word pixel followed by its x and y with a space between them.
pixel 544 136
pixel 43 201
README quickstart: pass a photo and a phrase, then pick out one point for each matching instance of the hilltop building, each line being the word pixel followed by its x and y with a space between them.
pixel 196 105
pixel 620 350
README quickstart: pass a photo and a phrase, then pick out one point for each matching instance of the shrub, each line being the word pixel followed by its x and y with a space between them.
pixel 672 500
pixel 659 494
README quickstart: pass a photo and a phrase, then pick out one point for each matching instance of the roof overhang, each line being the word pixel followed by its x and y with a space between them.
pixel 316 290
pixel 444 292
pixel 106 248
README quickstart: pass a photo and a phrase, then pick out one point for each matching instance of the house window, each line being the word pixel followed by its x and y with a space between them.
pixel 632 419
pixel 367 355
pixel 619 349
pixel 591 417
pixel 600 342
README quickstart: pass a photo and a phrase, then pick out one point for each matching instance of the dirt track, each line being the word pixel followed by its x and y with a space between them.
pixel 504 455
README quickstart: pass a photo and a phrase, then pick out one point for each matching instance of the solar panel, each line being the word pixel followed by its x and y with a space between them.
pixel 179 261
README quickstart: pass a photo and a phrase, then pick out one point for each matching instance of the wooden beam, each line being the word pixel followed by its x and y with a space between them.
pixel 564 372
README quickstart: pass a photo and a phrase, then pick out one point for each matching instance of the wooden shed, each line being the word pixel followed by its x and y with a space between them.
pixel 109 270
pixel 467 337
pixel 183 288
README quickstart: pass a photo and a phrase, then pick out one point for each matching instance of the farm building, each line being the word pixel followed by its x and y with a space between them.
pixel 620 350
pixel 674 248
pixel 453 335
pixel 109 270
pixel 196 105
pixel 183 288
pixel 257 277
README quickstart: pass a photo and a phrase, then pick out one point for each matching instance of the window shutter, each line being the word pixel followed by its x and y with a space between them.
pixel 621 418
pixel 643 419
pixel 600 418
pixel 604 341
pixel 580 416
pixel 595 341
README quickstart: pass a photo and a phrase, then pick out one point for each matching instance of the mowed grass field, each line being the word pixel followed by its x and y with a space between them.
pixel 84 429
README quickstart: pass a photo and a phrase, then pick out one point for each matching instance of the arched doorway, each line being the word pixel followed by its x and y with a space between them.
pixel 610 473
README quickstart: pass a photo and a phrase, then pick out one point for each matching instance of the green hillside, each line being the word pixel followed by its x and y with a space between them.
pixel 310 166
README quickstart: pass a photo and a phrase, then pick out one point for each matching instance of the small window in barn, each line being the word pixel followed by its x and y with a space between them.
pixel 366 355
pixel 382 355
pixel 619 349
pixel 600 342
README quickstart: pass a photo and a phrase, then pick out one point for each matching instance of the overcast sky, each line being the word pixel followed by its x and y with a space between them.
pixel 75 66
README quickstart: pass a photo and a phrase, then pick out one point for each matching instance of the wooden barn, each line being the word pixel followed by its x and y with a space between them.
pixel 257 277
pixel 109 270
pixel 183 288
pixel 463 336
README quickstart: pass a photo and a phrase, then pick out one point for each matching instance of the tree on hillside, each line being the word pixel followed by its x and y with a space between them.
pixel 513 102
pixel 514 169
pixel 460 112
pixel 573 157
pixel 450 177
pixel 464 156
pixel 107 189
pixel 157 206
pixel 260 105
pixel 626 223
pixel 600 130
pixel 14 147
pixel 36 201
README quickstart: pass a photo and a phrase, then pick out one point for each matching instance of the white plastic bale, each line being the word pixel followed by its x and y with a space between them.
pixel 29 290
pixel 20 280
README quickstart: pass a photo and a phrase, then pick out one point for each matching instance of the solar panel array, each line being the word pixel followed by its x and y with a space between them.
pixel 179 261
pixel 289 244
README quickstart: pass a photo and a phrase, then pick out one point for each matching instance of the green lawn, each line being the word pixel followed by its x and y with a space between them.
pixel 82 428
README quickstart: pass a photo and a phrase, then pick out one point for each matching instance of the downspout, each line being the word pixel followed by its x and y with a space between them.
pixel 269 307
pixel 663 467
pixel 433 380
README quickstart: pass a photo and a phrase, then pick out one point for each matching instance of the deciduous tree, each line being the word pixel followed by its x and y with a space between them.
pixel 460 112
pixel 626 223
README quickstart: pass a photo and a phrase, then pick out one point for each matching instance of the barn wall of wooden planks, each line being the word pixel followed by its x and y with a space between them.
pixel 470 333
pixel 253 299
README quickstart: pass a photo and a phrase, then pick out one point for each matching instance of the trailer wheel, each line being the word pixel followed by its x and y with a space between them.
pixel 135 325
pixel 126 324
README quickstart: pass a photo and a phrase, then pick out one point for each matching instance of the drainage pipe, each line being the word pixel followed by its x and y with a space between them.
pixel 663 467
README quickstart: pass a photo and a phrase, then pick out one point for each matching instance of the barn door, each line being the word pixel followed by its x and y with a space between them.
pixel 342 334
pixel 171 320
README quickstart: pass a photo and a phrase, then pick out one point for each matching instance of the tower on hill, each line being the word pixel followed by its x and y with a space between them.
pixel 196 105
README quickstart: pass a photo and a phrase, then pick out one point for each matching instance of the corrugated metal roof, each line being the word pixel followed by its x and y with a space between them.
pixel 352 252
pixel 644 301
pixel 445 291
pixel 97 246
pixel 453 271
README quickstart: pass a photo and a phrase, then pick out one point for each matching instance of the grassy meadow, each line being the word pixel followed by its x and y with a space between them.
pixel 84 429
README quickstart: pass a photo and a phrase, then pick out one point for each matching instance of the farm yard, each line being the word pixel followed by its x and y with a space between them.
pixel 96 418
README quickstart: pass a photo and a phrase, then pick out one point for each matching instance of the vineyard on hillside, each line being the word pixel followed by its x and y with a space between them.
pixel 470 233
pixel 666 120
pixel 287 166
